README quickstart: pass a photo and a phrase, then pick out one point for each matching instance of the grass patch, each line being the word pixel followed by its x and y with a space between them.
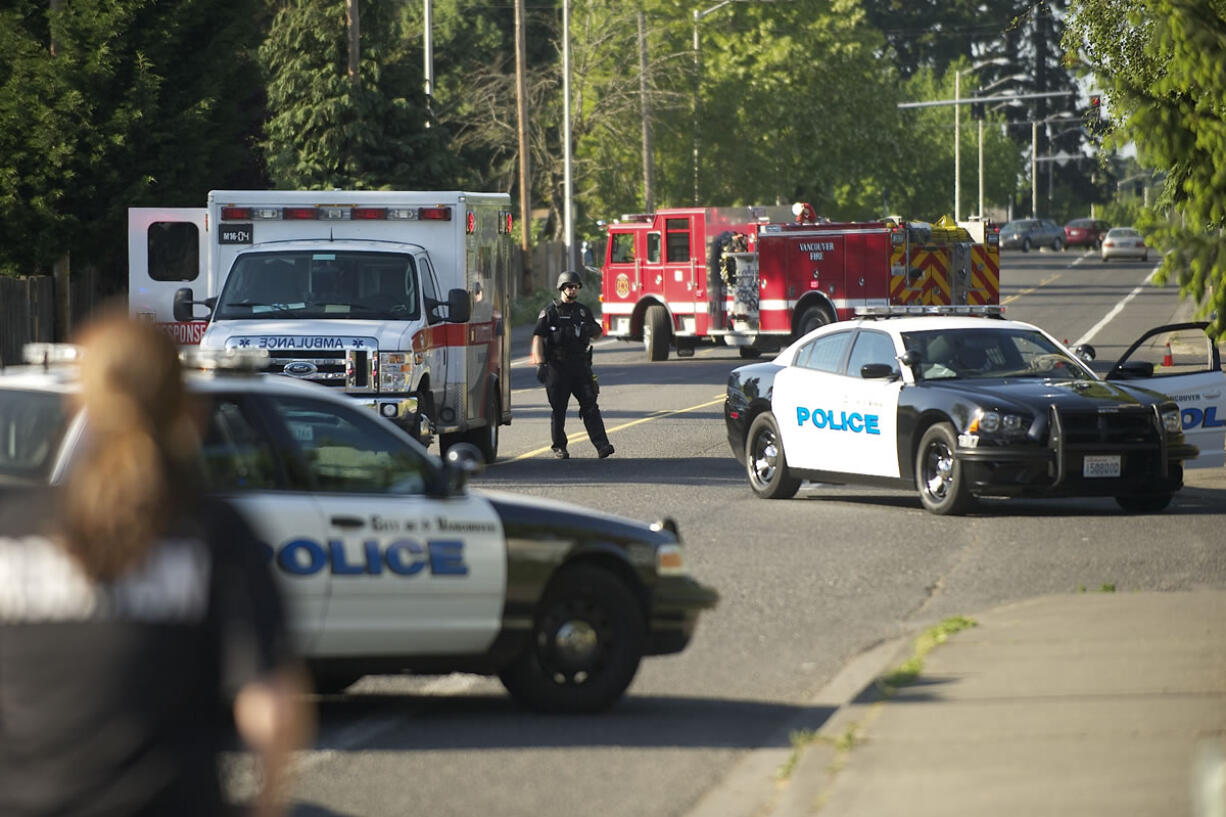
pixel 800 739
pixel 1105 587
pixel 909 670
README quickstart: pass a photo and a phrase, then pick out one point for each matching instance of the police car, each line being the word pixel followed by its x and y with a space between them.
pixel 388 562
pixel 958 403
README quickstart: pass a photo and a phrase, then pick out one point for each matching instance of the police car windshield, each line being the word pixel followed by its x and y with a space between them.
pixel 305 284
pixel 32 424
pixel 988 353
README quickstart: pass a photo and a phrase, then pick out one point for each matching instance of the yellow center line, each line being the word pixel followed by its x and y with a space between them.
pixel 1042 284
pixel 579 435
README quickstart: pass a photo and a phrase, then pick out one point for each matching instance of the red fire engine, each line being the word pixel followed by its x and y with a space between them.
pixel 753 278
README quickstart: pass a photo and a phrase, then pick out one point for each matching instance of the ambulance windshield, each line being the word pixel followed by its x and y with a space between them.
pixel 313 284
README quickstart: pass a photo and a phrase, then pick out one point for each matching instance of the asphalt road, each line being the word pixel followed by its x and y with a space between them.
pixel 806 585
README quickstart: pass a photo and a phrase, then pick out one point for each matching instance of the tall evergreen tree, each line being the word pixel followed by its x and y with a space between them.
pixel 141 103
pixel 324 131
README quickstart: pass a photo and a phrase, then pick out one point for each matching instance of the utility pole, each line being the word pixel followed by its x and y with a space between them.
pixel 428 55
pixel 61 267
pixel 648 191
pixel 521 96
pixel 351 7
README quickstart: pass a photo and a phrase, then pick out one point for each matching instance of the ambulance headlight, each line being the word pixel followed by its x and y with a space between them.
pixel 395 371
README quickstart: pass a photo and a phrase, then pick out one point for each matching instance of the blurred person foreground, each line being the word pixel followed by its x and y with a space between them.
pixel 132 607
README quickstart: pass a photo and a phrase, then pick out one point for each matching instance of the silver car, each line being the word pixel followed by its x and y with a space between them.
pixel 1025 233
pixel 1124 242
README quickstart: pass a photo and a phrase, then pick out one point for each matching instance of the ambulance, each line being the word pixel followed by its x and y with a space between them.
pixel 398 299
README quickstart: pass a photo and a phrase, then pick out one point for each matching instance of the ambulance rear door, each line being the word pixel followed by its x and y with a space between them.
pixel 167 249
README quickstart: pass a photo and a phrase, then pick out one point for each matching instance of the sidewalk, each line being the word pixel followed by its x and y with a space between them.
pixel 1089 704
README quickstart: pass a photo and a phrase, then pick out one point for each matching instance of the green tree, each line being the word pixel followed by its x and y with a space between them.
pixel 1159 62
pixel 325 131
pixel 140 103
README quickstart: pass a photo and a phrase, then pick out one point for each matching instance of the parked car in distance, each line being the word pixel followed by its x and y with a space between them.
pixel 1025 233
pixel 1124 242
pixel 1085 232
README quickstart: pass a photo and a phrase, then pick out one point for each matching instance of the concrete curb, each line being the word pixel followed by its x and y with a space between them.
pixel 753 788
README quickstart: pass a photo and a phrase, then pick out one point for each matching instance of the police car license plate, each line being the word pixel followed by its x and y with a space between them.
pixel 1106 465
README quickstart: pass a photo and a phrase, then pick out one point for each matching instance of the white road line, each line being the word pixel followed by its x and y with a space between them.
pixel 1117 309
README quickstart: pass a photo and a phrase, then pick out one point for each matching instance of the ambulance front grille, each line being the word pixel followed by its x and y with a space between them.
pixel 351 369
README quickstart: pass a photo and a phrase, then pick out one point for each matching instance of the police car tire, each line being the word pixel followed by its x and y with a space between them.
pixel 656 333
pixel 938 475
pixel 590 601
pixel 766 462
pixel 1148 503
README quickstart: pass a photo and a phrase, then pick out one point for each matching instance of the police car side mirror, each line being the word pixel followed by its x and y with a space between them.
pixel 874 371
pixel 461 462
pixel 1086 352
pixel 457 306
pixel 911 358
pixel 1133 369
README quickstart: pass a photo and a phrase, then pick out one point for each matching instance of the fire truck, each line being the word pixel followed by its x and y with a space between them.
pixel 397 299
pixel 755 278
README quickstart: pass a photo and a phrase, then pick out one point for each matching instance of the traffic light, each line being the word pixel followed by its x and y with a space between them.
pixel 976 111
pixel 1096 103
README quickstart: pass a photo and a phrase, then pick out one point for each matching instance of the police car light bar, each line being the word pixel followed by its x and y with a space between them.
pixel 901 310
pixel 238 361
pixel 50 354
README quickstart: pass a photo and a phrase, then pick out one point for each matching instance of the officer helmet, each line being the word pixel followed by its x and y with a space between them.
pixel 569 277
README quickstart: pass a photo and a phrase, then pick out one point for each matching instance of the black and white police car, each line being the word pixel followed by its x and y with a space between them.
pixel 388 562
pixel 958 403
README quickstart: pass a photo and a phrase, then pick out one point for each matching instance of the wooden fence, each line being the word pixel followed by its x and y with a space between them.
pixel 27 310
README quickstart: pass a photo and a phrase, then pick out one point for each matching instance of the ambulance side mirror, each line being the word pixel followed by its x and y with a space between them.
pixel 458 306
pixel 184 301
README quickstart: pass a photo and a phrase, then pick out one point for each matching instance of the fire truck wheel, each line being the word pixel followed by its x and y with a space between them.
pixel 938 475
pixel 656 333
pixel 810 319
pixel 765 462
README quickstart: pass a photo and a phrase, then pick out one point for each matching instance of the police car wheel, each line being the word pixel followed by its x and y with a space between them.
pixel 765 461
pixel 1149 503
pixel 587 639
pixel 938 475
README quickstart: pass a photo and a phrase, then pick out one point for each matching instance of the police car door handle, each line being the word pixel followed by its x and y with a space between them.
pixel 348 522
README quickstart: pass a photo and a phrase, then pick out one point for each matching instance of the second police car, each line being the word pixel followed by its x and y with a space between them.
pixel 960 406
pixel 388 562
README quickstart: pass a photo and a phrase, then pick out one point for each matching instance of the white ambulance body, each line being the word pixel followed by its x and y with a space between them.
pixel 398 298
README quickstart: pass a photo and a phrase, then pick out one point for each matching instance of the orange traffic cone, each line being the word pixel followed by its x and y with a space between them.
pixel 1166 358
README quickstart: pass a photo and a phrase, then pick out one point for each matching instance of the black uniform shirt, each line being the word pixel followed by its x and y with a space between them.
pixel 112 696
pixel 568 329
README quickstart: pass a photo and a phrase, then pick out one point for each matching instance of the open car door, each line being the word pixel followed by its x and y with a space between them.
pixel 1181 361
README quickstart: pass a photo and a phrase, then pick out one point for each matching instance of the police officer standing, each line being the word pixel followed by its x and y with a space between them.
pixel 561 349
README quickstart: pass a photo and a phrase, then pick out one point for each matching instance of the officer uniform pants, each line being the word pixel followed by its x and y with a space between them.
pixel 567 378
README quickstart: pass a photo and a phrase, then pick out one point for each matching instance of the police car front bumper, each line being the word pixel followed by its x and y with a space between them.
pixel 1044 471
pixel 676 602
